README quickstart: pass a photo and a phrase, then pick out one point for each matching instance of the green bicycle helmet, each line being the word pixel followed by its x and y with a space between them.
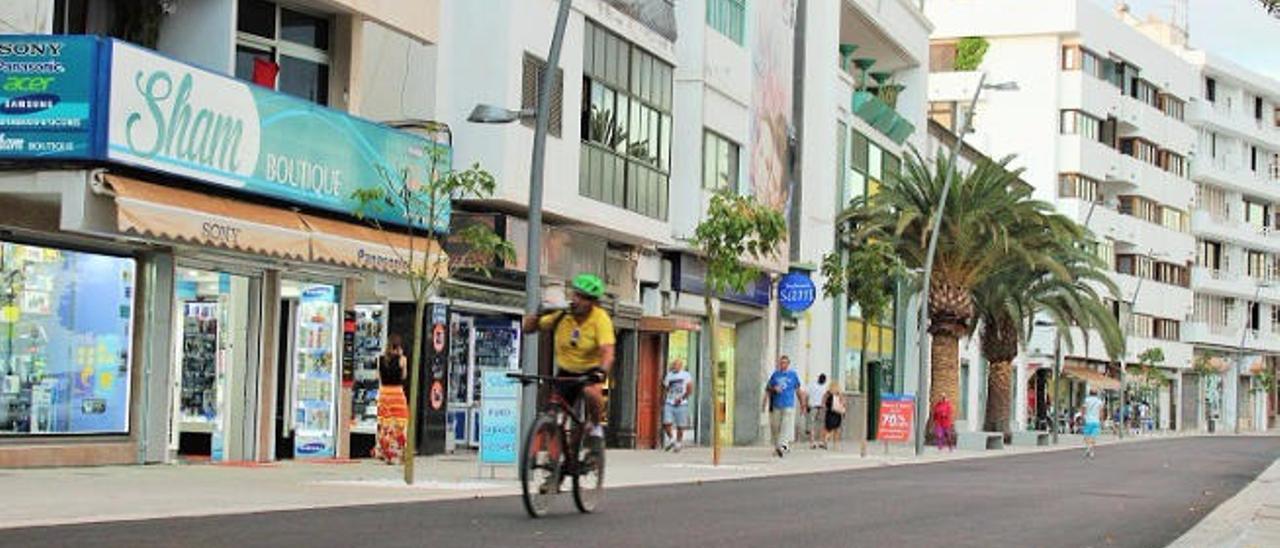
pixel 589 285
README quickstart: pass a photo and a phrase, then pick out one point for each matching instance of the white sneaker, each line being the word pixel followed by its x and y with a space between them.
pixel 677 447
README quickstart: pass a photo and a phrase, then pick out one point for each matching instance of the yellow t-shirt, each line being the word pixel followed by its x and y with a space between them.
pixel 578 346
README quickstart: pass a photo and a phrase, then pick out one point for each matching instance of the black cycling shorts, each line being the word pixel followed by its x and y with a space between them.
pixel 571 391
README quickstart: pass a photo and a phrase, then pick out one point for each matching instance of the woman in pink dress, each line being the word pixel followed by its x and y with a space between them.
pixel 944 426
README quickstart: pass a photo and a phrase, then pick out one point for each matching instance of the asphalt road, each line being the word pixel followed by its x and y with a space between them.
pixel 1140 495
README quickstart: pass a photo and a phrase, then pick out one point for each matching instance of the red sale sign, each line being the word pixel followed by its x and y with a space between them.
pixel 897 411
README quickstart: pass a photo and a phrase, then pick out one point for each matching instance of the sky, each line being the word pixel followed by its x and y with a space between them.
pixel 1236 29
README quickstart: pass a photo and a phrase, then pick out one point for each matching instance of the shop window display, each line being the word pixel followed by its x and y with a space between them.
pixel 371 327
pixel 65 340
pixel 315 379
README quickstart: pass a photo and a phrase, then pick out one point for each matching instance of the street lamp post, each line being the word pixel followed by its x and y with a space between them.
pixel 533 255
pixel 1235 366
pixel 922 391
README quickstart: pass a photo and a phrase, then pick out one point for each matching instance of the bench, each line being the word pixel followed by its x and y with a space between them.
pixel 979 441
pixel 1033 438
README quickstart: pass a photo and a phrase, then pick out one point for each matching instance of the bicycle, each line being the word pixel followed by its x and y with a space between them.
pixel 544 461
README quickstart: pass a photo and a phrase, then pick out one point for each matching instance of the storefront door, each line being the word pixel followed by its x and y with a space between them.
pixel 215 366
pixel 648 397
pixel 725 382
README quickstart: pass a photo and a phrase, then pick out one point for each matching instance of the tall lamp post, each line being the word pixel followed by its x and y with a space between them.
pixel 922 390
pixel 1244 334
pixel 488 114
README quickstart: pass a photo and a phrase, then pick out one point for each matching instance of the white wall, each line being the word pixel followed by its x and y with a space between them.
pixel 396 75
pixel 26 17
pixel 202 33
pixel 485 67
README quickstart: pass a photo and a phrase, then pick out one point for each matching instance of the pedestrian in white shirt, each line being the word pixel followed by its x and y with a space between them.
pixel 815 394
pixel 677 387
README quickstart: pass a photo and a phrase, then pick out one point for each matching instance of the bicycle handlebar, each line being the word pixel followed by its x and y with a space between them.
pixel 528 379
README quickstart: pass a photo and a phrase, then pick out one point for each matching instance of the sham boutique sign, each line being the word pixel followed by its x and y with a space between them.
pixel 86 98
pixel 179 119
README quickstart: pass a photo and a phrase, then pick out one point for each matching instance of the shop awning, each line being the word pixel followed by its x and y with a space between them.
pixel 1093 378
pixel 667 324
pixel 349 244
pixel 182 215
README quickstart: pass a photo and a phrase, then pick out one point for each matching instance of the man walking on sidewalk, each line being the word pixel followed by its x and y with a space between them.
pixel 678 385
pixel 1092 421
pixel 780 400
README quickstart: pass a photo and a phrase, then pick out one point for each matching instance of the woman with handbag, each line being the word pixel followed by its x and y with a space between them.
pixel 833 402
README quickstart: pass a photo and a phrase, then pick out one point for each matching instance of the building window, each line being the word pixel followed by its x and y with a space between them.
pixel 1257 108
pixel 626 124
pixel 1174 219
pixel 1105 250
pixel 1209 255
pixel 1075 122
pixel 70 16
pixel 728 17
pixel 1173 163
pixel 1075 185
pixel 1253 316
pixel 1257 214
pixel 944 113
pixel 1256 262
pixel 942 57
pixel 1142 208
pixel 1141 149
pixel 719 162
pixel 270 38
pixel 1211 90
pixel 532 73
pixel 65 354
pixel 1075 57
pixel 1146 92
pixel 1173 107
pixel 1166 330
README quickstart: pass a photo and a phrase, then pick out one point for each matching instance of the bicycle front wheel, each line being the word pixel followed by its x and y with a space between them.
pixel 588 483
pixel 540 465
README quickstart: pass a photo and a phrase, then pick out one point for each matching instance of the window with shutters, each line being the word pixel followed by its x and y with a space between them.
pixel 533 67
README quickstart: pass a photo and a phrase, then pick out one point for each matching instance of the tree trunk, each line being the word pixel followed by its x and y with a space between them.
pixel 714 339
pixel 945 374
pixel 999 395
pixel 411 441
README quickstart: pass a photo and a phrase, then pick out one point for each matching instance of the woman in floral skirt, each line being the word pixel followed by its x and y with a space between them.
pixel 393 408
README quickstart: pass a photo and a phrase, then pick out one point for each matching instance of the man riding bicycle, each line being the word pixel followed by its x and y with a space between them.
pixel 584 346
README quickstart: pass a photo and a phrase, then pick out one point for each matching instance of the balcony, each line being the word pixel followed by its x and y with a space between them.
pixel 1203 223
pixel 1230 171
pixel 1224 116
pixel 881 116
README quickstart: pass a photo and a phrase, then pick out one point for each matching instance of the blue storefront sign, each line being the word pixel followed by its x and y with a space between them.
pixel 499 418
pixel 690 276
pixel 796 292
pixel 81 97
pixel 48 92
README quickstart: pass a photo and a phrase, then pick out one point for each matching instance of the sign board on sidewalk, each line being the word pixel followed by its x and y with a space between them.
pixel 897 412
pixel 499 418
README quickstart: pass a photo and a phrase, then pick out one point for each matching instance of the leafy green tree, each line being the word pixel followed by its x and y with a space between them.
pixel 868 274
pixel 736 230
pixel 429 200
pixel 969 53
pixel 978 239
pixel 1068 294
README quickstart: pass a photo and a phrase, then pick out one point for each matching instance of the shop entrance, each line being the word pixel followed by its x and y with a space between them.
pixel 306 371
pixel 215 375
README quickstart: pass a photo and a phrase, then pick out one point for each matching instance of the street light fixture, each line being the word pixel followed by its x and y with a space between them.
pixel 489 114
pixel 922 388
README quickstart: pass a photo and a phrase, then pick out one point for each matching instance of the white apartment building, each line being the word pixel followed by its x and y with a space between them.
pixel 1099 125
pixel 1235 326
pixel 864 75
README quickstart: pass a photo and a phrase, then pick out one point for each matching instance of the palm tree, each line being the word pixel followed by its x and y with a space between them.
pixel 1069 294
pixel 978 239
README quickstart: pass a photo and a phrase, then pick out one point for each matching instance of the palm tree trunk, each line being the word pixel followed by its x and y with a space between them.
pixel 999 393
pixel 945 374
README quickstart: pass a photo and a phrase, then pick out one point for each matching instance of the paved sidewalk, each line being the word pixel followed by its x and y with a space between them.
pixel 78 495
pixel 1251 519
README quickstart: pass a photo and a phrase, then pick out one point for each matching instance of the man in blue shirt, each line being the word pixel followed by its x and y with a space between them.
pixel 780 400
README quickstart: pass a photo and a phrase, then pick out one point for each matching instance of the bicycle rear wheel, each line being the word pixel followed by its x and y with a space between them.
pixel 588 482
pixel 540 465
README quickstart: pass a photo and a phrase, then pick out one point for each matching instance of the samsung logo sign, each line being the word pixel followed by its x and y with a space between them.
pixel 29 104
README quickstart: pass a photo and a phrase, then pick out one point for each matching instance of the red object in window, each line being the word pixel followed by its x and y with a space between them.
pixel 264 73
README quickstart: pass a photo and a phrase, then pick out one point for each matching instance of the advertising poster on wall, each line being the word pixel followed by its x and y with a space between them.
pixel 315 373
pixel 48 91
pixel 499 418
